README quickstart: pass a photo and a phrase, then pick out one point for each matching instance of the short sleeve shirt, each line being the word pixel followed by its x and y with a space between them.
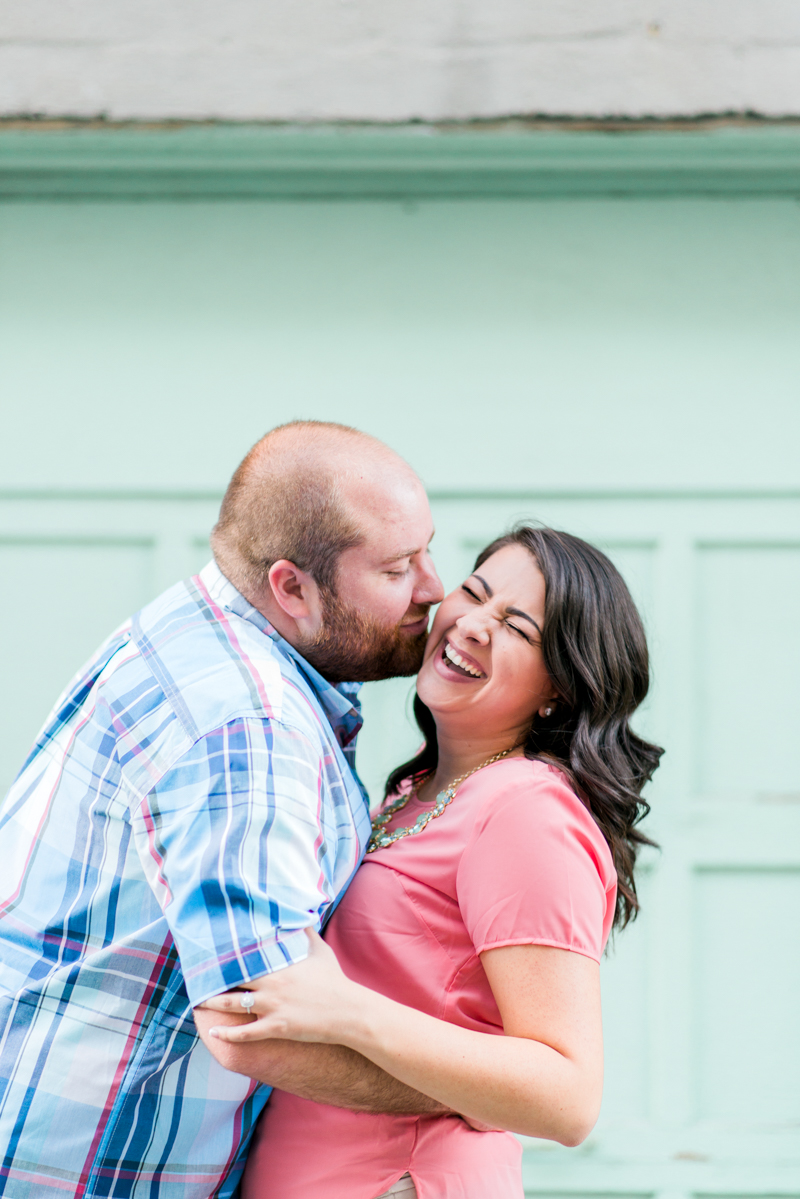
pixel 188 809
pixel 515 859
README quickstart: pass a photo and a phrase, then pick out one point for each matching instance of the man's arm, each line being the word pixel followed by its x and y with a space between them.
pixel 270 770
pixel 329 1074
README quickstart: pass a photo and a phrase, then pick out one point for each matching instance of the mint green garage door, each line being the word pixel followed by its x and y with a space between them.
pixel 624 367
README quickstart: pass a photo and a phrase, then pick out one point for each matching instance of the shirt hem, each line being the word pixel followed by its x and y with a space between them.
pixel 550 944
pixel 247 965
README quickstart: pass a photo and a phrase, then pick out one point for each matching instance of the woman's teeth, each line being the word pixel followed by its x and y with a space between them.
pixel 457 660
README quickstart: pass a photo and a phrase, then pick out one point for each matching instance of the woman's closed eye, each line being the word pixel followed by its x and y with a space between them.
pixel 521 633
pixel 479 600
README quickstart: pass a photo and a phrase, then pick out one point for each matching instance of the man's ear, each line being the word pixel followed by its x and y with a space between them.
pixel 296 593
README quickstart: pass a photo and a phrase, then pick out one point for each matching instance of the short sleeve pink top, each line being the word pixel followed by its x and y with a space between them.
pixel 516 859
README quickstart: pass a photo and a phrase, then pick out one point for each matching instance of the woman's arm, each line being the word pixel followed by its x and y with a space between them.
pixel 542 1079
pixel 330 1074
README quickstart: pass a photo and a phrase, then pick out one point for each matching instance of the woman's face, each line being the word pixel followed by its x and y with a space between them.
pixel 483 662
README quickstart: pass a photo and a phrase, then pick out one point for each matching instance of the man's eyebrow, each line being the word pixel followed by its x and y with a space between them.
pixel 511 611
pixel 407 553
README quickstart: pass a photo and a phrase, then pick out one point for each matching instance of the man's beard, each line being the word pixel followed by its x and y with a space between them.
pixel 352 647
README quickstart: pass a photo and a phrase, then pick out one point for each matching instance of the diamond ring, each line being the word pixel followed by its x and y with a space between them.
pixel 247 1000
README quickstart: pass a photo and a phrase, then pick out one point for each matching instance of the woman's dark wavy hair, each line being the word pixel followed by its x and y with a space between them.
pixel 595 651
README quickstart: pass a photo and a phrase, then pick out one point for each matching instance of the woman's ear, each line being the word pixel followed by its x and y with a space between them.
pixel 296 593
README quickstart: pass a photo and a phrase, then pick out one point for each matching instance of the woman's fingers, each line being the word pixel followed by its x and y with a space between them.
pixel 310 1001
pixel 257 1030
pixel 231 1001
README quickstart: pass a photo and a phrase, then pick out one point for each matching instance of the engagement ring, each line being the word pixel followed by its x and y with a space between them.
pixel 247 1000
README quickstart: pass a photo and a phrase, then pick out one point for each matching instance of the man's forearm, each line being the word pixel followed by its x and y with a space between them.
pixel 329 1074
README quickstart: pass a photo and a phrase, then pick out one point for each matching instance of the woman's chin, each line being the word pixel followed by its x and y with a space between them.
pixel 437 692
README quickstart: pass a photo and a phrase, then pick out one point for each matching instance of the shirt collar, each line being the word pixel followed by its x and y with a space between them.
pixel 340 702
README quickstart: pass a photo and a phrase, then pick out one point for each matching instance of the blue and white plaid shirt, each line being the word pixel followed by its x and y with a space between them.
pixel 190 806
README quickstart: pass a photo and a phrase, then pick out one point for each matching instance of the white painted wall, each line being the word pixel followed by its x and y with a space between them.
pixel 397 59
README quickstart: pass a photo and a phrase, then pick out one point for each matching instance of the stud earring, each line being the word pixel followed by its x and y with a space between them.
pixel 548 711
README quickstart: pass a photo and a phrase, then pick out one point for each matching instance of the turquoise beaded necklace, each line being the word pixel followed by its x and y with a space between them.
pixel 381 840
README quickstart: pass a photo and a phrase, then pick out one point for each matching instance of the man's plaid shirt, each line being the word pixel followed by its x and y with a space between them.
pixel 189 807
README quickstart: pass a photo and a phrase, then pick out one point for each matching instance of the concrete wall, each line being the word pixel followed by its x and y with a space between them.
pixel 393 60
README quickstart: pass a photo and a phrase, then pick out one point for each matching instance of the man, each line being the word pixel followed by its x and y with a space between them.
pixel 190 806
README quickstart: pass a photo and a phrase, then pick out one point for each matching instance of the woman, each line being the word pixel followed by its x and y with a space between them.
pixel 496 870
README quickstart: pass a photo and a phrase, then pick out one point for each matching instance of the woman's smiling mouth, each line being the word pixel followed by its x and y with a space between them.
pixel 461 665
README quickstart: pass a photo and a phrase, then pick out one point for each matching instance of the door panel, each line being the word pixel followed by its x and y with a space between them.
pixel 57 595
pixel 749 664
pixel 747 1036
pixel 703 1054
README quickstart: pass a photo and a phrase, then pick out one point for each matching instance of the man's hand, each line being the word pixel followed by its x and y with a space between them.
pixel 329 1074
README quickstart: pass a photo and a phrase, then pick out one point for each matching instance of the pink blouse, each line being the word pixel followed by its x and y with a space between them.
pixel 516 859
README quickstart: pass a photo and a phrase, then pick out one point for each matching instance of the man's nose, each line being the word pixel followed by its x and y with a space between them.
pixel 429 589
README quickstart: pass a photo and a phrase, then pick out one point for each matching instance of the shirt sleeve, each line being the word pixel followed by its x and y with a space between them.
pixel 231 842
pixel 537 871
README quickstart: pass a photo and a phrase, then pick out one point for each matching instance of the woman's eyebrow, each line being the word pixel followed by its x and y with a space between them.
pixel 525 616
pixel 510 611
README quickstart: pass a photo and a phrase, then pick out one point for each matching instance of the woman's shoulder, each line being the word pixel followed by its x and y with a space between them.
pixel 534 796
pixel 520 777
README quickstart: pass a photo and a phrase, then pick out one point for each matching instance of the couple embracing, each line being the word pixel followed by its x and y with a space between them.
pixel 190 817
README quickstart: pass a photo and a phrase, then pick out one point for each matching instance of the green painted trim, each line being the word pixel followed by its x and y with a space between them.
pixel 676 495
pixel 80 494
pixel 634 493
pixel 69 539
pixel 261 162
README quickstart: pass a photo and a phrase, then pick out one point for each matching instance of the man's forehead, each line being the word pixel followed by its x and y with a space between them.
pixel 394 498
pixel 392 536
pixel 392 512
pixel 377 479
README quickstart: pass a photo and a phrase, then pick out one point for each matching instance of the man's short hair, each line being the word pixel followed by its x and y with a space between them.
pixel 285 501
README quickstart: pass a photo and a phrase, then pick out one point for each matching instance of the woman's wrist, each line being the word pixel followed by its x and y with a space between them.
pixel 365 1017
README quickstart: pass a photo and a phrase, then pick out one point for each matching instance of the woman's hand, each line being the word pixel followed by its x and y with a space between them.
pixel 312 1001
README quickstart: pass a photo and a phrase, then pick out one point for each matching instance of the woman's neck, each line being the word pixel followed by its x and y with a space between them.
pixel 459 755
